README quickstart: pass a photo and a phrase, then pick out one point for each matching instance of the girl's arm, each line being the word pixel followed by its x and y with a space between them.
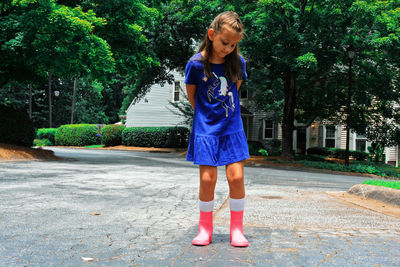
pixel 191 92
pixel 238 84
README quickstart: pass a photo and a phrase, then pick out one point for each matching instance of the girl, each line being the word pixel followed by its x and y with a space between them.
pixel 213 77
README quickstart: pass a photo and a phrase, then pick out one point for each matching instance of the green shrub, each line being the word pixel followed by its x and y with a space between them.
pixel 359 155
pixel 47 133
pixel 310 157
pixel 263 152
pixel 322 151
pixel 274 143
pixel 383 171
pixel 111 135
pixel 254 147
pixel 156 136
pixel 274 151
pixel 76 135
pixel 376 153
pixel 338 153
pixel 42 142
pixel 16 127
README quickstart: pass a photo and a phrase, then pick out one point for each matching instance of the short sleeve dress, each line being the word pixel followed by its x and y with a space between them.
pixel 217 136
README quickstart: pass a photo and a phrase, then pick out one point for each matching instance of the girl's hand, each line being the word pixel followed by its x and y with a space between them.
pixel 191 92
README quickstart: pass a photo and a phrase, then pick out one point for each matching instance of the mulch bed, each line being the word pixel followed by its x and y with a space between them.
pixel 16 153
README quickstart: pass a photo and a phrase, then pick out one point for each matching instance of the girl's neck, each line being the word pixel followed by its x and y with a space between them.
pixel 213 59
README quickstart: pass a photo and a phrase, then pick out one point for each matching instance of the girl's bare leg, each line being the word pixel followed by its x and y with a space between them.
pixel 235 176
pixel 208 180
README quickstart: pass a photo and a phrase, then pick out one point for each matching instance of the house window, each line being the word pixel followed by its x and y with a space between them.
pixel 330 136
pixel 177 90
pixel 243 93
pixel 268 129
pixel 361 143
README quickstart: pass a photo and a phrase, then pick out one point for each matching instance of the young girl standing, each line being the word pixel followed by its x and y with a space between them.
pixel 213 77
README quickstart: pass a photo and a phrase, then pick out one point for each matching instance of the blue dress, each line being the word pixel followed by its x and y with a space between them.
pixel 217 136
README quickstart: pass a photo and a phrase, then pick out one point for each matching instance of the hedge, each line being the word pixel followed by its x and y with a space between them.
pixel 322 151
pixel 310 157
pixel 76 135
pixel 338 153
pixel 42 142
pixel 47 133
pixel 16 127
pixel 156 136
pixel 254 147
pixel 361 168
pixel 274 143
pixel 111 135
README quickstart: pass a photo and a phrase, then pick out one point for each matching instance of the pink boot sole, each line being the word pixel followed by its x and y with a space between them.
pixel 237 237
pixel 204 237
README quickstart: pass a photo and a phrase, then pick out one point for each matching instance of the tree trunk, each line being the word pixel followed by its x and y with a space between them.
pixel 30 101
pixel 288 115
pixel 74 100
pixel 348 116
pixel 50 107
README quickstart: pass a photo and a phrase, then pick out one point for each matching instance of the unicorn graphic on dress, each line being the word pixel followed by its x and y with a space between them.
pixel 220 95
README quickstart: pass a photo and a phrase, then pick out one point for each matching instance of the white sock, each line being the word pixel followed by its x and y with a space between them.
pixel 236 204
pixel 206 206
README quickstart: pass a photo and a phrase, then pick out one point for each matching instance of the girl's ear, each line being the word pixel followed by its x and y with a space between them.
pixel 211 33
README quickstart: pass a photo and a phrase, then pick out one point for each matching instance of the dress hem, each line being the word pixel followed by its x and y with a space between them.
pixel 196 162
pixel 218 136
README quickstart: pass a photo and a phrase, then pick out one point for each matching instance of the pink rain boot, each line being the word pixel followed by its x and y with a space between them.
pixel 237 237
pixel 204 237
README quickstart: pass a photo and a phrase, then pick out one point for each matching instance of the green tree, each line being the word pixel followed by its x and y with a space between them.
pixel 129 23
pixel 297 58
pixel 55 40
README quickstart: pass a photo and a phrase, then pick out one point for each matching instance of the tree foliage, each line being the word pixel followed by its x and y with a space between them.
pixel 295 52
pixel 297 58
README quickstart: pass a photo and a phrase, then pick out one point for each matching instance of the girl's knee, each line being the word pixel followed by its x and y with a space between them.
pixel 236 178
pixel 208 174
pixel 208 179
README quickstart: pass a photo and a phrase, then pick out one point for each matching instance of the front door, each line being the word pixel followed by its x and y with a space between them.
pixel 301 141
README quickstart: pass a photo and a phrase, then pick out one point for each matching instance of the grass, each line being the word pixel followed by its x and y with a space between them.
pixel 94 146
pixel 379 169
pixel 390 184
pixel 383 170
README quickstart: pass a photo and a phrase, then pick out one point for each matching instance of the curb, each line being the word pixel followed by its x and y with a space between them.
pixel 388 195
pixel 126 148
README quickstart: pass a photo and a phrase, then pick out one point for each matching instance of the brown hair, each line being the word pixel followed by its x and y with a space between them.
pixel 232 60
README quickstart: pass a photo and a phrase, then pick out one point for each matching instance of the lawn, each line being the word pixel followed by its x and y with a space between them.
pixel 94 146
pixel 379 169
pixel 390 184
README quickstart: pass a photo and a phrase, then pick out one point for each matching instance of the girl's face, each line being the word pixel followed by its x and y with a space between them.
pixel 223 42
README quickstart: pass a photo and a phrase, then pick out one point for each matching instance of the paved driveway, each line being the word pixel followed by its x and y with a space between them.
pixel 148 215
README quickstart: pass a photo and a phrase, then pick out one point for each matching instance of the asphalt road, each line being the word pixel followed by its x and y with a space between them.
pixel 147 206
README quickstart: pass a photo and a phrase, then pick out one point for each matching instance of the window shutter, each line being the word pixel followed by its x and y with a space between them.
pixel 338 135
pixel 321 136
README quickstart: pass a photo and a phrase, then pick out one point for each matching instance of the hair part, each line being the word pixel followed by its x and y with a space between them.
pixel 232 60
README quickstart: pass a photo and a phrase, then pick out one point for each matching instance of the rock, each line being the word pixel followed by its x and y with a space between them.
pixel 384 194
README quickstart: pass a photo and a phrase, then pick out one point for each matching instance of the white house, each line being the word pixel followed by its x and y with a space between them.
pixel 335 136
pixel 155 110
